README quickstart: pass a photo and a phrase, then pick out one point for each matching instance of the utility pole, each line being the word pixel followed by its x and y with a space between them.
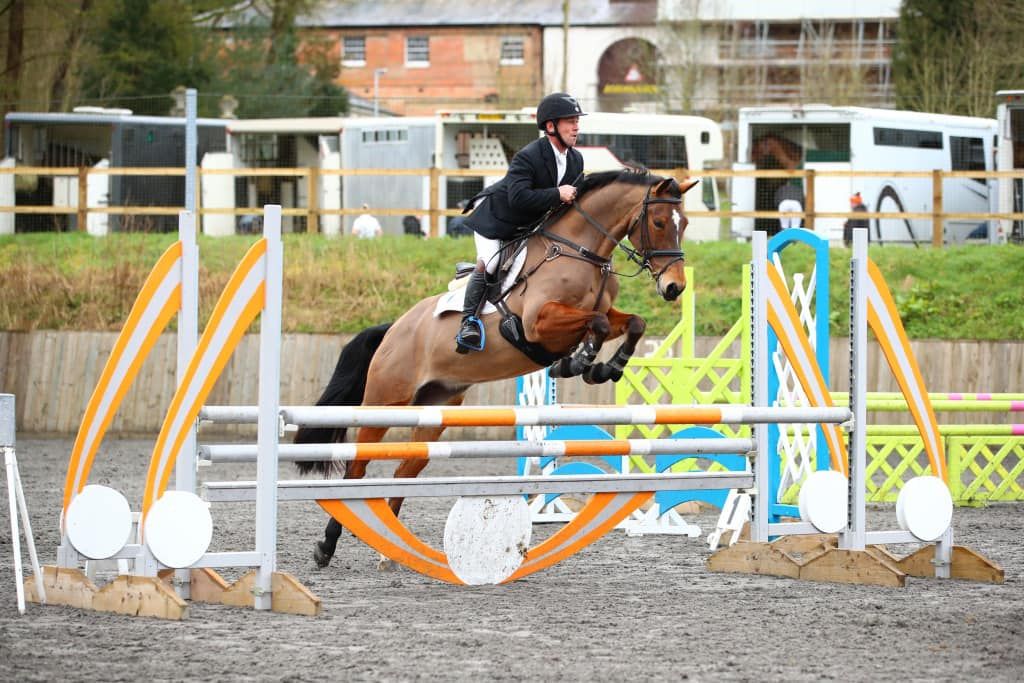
pixel 565 45
pixel 377 73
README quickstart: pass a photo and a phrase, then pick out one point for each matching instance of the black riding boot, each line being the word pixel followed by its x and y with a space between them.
pixel 471 332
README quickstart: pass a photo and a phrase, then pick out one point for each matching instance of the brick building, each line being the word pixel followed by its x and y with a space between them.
pixel 418 57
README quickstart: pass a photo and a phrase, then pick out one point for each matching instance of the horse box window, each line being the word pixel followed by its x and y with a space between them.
pixel 903 137
pixel 967 154
pixel 653 151
pixel 791 145
pixel 386 135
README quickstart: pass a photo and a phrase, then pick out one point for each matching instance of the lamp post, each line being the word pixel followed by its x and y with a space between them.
pixel 376 82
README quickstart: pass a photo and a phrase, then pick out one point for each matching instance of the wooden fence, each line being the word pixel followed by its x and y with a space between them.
pixel 313 212
pixel 53 373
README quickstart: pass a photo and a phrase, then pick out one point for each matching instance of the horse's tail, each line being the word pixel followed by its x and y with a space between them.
pixel 346 388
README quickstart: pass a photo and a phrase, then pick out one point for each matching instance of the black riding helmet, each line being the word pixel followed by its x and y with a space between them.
pixel 557 105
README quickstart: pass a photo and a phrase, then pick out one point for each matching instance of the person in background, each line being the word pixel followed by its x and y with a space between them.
pixel 457 224
pixel 790 197
pixel 857 205
pixel 411 226
pixel 366 226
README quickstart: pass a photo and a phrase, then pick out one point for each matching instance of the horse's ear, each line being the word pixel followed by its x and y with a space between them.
pixel 663 185
pixel 688 184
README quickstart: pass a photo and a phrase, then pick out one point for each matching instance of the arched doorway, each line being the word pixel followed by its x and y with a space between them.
pixel 627 74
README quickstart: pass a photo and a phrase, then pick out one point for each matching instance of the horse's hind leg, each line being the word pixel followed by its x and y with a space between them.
pixel 634 327
pixel 324 550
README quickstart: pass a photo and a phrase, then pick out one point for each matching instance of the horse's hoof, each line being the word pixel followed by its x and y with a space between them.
pixel 320 556
pixel 386 564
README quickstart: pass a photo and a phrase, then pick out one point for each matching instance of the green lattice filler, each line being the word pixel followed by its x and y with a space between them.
pixel 981 459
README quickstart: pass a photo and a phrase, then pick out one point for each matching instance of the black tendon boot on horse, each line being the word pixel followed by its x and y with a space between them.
pixel 471 331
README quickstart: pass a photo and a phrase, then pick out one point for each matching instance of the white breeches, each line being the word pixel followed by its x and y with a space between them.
pixel 487 249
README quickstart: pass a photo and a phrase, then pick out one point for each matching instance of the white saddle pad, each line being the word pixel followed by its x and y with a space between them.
pixel 453 299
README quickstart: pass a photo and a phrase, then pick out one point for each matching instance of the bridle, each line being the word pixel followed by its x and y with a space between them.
pixel 642 256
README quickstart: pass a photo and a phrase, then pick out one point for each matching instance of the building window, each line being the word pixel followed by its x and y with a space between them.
pixel 353 51
pixel 417 51
pixel 512 50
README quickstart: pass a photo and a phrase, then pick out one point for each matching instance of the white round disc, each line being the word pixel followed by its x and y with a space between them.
pixel 486 537
pixel 178 529
pixel 924 507
pixel 98 522
pixel 823 501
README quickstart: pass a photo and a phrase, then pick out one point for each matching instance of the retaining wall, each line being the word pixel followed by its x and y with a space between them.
pixel 53 373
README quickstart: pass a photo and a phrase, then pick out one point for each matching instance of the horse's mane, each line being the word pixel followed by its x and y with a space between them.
pixel 631 175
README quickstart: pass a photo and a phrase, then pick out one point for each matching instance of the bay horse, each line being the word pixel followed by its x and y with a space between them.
pixel 564 299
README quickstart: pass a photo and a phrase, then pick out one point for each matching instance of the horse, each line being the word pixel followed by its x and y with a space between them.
pixel 564 300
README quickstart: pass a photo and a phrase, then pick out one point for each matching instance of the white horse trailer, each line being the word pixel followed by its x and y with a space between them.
pixel 489 140
pixel 1010 157
pixel 830 138
pixel 389 142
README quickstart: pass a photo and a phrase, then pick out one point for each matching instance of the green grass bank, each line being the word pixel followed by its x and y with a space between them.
pixel 77 282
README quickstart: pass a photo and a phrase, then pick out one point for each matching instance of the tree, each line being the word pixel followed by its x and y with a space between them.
pixel 141 50
pixel 261 61
pixel 952 55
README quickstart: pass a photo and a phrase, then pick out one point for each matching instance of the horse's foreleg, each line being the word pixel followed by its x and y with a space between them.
pixel 564 323
pixel 356 469
pixel 634 327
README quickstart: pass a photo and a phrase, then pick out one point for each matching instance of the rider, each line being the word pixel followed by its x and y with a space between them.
pixel 540 177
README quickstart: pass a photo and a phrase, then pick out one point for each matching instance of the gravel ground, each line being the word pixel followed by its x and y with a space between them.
pixel 624 608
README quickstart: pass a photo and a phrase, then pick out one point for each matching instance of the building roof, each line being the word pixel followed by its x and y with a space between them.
pixel 816 113
pixel 109 117
pixel 375 13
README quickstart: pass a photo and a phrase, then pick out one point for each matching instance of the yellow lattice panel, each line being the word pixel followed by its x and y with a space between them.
pixel 986 469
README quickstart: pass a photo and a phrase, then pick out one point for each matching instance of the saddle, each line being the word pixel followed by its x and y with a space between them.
pixel 511 326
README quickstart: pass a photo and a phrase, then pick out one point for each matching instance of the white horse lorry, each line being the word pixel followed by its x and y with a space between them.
pixel 831 138
pixel 1010 157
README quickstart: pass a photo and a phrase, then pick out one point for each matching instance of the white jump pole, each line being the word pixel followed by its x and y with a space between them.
pixel 855 535
pixel 759 378
pixel 16 500
pixel 188 339
pixel 268 430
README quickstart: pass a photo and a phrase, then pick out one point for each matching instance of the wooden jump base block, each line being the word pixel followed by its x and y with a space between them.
pixel 818 558
pixel 149 596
